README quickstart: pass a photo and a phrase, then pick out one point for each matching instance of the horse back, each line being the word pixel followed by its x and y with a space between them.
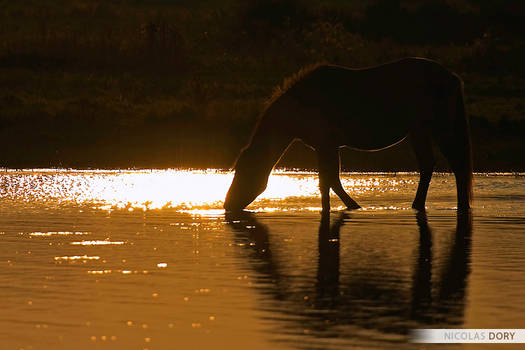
pixel 369 108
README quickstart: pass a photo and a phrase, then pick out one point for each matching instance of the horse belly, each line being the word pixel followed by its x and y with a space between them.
pixel 375 126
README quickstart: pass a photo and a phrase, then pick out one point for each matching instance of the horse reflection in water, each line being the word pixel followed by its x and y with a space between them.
pixel 447 307
pixel 362 303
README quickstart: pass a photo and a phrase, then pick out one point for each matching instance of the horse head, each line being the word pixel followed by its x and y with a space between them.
pixel 250 180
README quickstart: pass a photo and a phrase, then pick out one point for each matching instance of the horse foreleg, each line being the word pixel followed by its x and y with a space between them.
pixel 422 145
pixel 324 180
pixel 329 178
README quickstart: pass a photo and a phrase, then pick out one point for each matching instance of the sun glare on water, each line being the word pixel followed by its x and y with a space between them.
pixel 193 191
pixel 143 189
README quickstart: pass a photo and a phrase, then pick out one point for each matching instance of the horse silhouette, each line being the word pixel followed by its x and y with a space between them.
pixel 328 107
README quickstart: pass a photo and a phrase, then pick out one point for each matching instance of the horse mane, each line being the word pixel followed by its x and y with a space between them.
pixel 277 92
pixel 290 81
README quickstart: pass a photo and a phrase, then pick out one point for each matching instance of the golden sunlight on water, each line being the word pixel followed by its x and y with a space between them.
pixel 147 259
pixel 47 234
pixel 194 191
pixel 97 243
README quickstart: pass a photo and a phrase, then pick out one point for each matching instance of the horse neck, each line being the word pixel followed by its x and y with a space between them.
pixel 269 141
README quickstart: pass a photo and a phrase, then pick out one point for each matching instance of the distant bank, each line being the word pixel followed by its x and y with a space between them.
pixel 497 147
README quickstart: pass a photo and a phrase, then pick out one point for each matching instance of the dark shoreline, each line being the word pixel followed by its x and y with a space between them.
pixel 496 147
pixel 167 84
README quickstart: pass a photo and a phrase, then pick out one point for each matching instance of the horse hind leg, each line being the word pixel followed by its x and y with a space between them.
pixel 329 178
pixel 460 167
pixel 454 143
pixel 422 145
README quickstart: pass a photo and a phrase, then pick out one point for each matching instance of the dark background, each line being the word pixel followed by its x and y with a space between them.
pixel 180 83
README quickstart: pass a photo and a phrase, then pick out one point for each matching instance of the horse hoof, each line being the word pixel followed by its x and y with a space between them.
pixel 419 207
pixel 464 209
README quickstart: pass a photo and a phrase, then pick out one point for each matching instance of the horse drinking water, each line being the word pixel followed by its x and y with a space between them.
pixel 329 107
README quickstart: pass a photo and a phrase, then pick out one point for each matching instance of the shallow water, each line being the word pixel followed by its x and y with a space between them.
pixel 148 260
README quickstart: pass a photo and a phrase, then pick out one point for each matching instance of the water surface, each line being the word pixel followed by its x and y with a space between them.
pixel 148 260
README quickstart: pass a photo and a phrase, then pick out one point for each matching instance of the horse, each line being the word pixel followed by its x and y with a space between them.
pixel 329 107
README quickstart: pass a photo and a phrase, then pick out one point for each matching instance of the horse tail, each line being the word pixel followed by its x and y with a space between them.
pixel 464 142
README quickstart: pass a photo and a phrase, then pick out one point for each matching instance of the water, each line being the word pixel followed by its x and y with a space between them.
pixel 148 260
